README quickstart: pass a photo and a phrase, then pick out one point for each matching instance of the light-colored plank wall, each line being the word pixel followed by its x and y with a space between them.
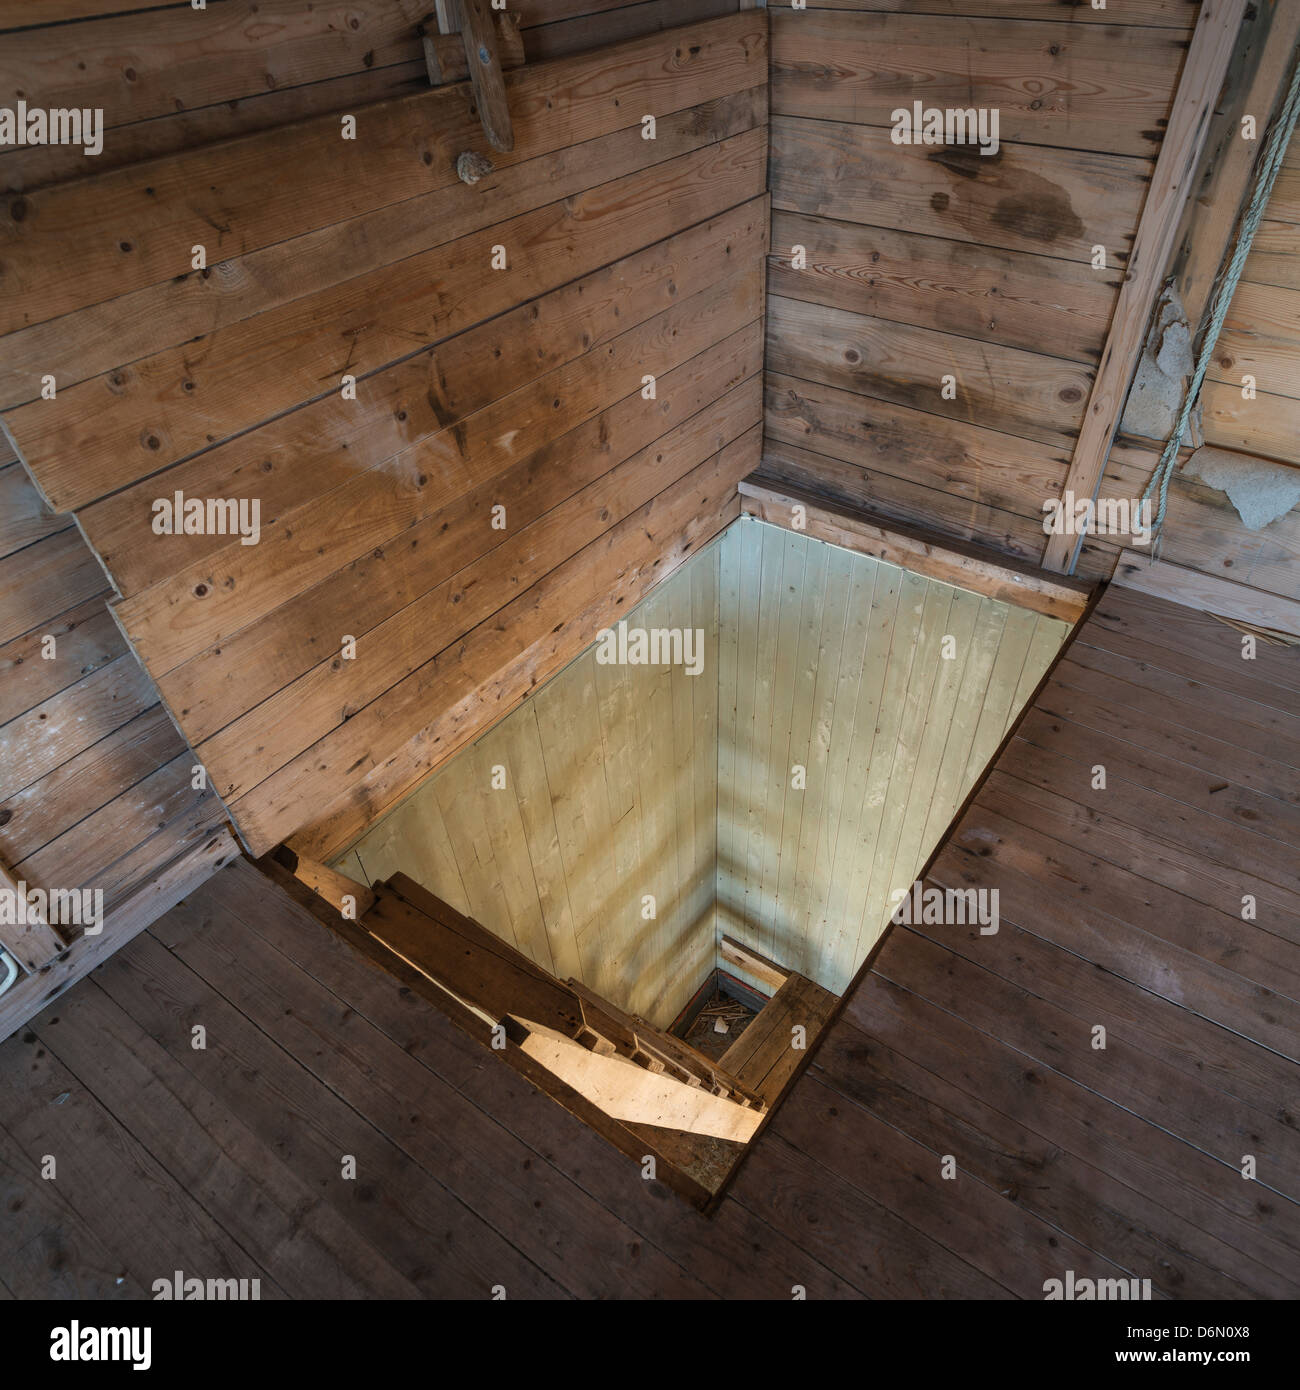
pixel 628 781
pixel 609 797
pixel 834 662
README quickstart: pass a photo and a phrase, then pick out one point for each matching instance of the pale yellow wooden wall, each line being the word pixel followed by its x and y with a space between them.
pixel 832 661
pixel 623 782
pixel 611 796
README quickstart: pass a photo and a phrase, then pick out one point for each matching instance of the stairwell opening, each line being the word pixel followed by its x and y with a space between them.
pixel 734 785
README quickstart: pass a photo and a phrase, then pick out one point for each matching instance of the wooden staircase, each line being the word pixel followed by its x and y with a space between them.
pixel 645 1090
pixel 635 1073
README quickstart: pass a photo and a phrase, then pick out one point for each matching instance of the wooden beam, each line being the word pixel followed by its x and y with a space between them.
pixel 473 964
pixel 348 898
pixel 381 957
pixel 1256 83
pixel 952 562
pixel 483 55
pixel 1207 592
pixel 1172 185
pixel 180 877
pixel 446 59
pixel 448 15
pixel 766 972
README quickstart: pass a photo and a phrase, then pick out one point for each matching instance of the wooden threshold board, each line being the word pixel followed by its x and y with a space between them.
pixel 966 566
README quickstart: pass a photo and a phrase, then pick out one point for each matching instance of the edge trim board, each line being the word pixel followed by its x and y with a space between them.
pixel 966 566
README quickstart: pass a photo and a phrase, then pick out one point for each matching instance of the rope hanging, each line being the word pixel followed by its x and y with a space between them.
pixel 1279 137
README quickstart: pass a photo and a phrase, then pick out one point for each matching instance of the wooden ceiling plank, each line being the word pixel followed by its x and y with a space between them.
pixel 417 397
pixel 256 369
pixel 397 744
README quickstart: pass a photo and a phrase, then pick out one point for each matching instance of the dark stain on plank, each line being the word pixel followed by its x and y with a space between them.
pixel 1040 212
pixel 966 161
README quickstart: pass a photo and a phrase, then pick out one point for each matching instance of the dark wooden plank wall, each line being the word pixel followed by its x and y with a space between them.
pixel 478 388
pixel 926 261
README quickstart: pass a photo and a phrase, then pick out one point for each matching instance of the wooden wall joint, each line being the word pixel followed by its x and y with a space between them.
pixel 949 561
pixel 33 943
pixel 444 50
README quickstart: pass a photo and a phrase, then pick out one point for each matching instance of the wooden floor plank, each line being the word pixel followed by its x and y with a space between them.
pixel 549 1218
pixel 1119 908
pixel 1088 697
pixel 1201 637
pixel 1231 848
pixel 441 1246
pixel 728 1259
pixel 1186 689
pixel 1113 1139
pixel 1144 990
pixel 211 1152
pixel 1045 1033
pixel 1097 900
pixel 1055 724
pixel 1114 629
pixel 1161 862
pixel 49 1253
pixel 907 1177
pixel 860 1239
pixel 122 1199
pixel 1010 1157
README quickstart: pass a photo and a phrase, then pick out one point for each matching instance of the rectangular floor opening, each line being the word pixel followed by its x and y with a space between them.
pixel 737 784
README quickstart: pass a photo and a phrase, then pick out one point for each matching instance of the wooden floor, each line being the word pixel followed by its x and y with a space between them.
pixel 1120 909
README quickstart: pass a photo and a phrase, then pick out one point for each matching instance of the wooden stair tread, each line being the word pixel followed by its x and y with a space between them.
pixel 705 1159
pixel 678 1056
pixel 762 1058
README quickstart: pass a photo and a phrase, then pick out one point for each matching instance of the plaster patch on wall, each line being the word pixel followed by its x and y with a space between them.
pixel 1261 491
pixel 1157 390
